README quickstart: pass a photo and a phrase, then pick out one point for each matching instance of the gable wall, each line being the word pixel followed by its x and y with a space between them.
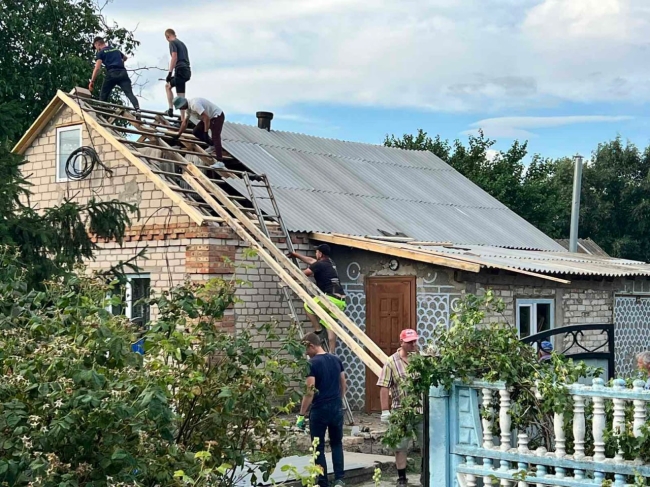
pixel 127 183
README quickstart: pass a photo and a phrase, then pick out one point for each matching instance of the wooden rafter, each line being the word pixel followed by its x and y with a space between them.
pixel 298 282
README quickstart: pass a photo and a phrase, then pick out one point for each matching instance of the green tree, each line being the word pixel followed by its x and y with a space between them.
pixel 51 243
pixel 46 46
pixel 78 407
pixel 615 200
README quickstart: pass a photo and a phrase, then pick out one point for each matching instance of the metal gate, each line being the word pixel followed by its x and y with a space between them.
pixel 631 331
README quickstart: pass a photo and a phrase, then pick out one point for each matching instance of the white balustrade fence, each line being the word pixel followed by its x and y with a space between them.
pixel 465 451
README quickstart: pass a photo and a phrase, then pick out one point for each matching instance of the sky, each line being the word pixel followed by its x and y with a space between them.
pixel 562 74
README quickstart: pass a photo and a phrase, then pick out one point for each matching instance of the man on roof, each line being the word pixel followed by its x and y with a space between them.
pixel 323 270
pixel 116 74
pixel 207 117
pixel 179 69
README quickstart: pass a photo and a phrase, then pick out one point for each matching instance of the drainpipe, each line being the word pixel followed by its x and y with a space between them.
pixel 575 205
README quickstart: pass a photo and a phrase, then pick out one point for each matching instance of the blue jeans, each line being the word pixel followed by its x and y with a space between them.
pixel 328 417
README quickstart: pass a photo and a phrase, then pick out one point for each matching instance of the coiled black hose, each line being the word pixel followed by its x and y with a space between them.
pixel 81 163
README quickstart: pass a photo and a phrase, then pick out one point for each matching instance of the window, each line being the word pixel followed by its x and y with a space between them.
pixel 137 287
pixel 68 139
pixel 534 316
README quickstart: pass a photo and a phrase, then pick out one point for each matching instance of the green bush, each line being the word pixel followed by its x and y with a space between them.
pixel 78 407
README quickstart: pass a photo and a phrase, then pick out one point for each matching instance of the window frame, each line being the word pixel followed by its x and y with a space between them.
pixel 59 130
pixel 128 293
pixel 532 303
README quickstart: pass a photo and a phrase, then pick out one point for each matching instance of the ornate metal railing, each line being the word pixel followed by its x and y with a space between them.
pixel 581 342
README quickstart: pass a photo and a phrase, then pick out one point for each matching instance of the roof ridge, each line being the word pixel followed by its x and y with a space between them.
pixel 381 146
pixel 339 156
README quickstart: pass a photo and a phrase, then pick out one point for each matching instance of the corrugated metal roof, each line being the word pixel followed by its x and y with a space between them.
pixel 585 246
pixel 326 185
pixel 545 262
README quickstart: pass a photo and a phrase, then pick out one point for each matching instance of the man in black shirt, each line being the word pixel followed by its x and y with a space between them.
pixel 326 387
pixel 116 74
pixel 180 67
pixel 323 270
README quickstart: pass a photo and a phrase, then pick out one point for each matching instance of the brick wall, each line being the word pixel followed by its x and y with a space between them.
pixel 261 299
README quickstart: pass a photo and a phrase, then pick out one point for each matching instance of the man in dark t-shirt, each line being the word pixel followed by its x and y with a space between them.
pixel 116 75
pixel 326 387
pixel 323 270
pixel 179 70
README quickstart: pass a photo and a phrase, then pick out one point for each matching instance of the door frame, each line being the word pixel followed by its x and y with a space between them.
pixel 412 280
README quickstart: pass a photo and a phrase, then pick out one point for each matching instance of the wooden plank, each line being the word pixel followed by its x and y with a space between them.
pixel 35 129
pixel 478 261
pixel 144 168
pixel 282 273
pixel 423 255
pixel 290 266
pixel 388 249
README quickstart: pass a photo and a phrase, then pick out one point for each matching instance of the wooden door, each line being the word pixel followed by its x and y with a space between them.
pixel 390 307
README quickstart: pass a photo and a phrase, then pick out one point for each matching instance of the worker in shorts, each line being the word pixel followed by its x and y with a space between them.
pixel 179 70
pixel 391 395
pixel 324 272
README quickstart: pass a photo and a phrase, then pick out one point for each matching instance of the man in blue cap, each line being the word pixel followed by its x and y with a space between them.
pixel 545 351
pixel 207 117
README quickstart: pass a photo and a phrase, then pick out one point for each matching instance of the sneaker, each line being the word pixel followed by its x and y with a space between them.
pixel 402 482
pixel 170 112
pixel 339 483
pixel 138 114
pixel 218 165
pixel 210 150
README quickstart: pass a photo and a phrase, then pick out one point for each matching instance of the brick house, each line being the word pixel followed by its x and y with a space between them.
pixel 410 235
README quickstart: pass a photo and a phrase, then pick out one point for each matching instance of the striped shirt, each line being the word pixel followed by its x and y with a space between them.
pixel 392 376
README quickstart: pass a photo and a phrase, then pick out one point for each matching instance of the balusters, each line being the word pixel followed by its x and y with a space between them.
pixel 598 425
pixel 639 408
pixel 579 431
pixel 560 442
pixel 522 448
pixel 579 426
pixel 471 478
pixel 488 440
pixel 505 421
pixel 618 425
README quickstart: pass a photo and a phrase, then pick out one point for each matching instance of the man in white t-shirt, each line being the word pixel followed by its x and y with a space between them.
pixel 207 116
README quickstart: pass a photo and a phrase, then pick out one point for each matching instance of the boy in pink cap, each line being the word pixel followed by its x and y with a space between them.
pixel 390 381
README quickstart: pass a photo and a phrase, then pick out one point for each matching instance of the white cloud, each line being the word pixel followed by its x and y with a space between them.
pixel 520 127
pixel 463 56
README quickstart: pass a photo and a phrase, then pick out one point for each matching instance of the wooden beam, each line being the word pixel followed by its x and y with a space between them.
pixel 388 249
pixel 192 212
pixel 294 270
pixel 424 255
pixel 295 286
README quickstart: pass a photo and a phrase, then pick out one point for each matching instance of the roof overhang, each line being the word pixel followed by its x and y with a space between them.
pixel 408 251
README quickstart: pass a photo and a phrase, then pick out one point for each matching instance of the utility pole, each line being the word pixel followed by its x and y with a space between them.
pixel 575 205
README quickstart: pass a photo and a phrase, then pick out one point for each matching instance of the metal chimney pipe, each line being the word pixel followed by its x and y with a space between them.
pixel 264 120
pixel 575 205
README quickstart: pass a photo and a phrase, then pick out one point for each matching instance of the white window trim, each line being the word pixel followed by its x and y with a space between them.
pixel 128 309
pixel 59 130
pixel 533 313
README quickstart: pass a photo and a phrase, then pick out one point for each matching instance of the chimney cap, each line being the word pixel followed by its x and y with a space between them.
pixel 268 115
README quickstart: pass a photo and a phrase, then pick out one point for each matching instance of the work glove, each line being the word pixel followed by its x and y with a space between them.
pixel 300 422
pixel 385 416
pixel 168 79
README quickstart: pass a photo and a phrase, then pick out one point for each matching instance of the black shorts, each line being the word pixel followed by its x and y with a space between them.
pixel 181 76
